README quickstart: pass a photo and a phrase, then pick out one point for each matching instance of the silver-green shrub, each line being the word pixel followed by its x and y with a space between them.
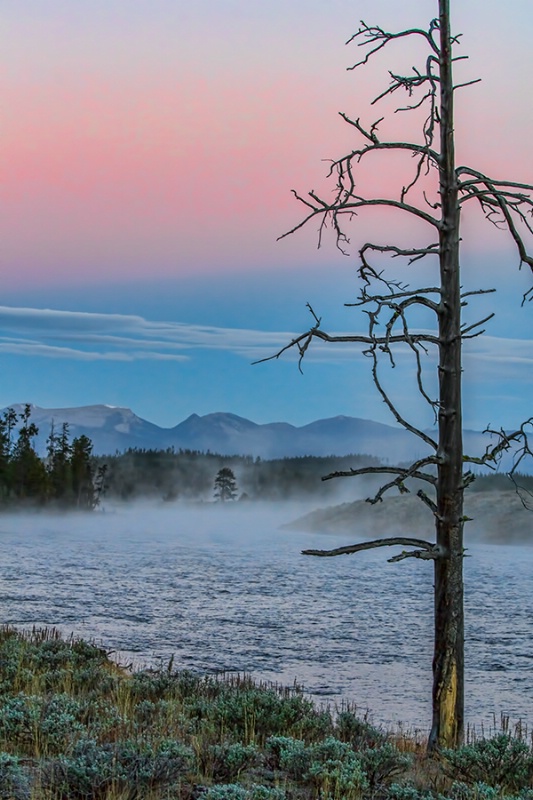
pixel 502 761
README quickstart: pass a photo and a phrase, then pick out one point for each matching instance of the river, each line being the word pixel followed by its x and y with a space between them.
pixel 226 589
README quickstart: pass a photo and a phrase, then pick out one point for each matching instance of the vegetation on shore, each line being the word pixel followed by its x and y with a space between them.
pixel 75 726
pixel 190 475
pixel 68 478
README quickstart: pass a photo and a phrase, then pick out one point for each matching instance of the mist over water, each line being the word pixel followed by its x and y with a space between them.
pixel 224 589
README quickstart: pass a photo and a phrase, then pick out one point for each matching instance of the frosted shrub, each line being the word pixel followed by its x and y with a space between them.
pixel 226 791
pixel 256 713
pixel 93 770
pixel 477 791
pixel 229 760
pixel 502 761
pixel 360 734
pixel 38 724
pixel 14 782
pixel 397 791
pixel 290 755
pixel 234 791
pixel 339 779
pixel 380 764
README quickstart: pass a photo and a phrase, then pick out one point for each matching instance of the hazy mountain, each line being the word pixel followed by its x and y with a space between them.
pixel 113 429
pixel 109 428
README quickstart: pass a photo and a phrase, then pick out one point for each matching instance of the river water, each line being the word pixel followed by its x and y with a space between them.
pixel 226 589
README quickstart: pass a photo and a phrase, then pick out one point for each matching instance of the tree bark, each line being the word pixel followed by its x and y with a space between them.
pixel 448 661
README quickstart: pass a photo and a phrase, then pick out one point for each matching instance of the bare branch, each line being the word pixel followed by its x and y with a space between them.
pixel 367 273
pixel 428 547
pixel 402 472
pixel 413 471
pixel 357 202
pixel 476 291
pixel 390 405
pixel 426 555
pixel 372 34
pixel 480 178
pixel 303 341
pixel 428 501
pixel 376 144
pixel 406 189
pixel 349 205
pixel 465 331
pixel 467 83
pixel 409 83
pixel 518 441
pixel 505 442
pixel 497 197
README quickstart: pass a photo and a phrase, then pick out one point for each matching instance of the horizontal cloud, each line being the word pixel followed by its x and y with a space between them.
pixel 81 335
pixel 86 336
pixel 50 351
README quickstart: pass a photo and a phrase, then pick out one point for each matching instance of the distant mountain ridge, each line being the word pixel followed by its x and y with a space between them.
pixel 114 429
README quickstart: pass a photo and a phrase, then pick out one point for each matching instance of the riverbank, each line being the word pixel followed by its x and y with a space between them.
pixel 495 517
pixel 74 724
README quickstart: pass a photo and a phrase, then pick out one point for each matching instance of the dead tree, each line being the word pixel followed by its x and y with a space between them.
pixel 388 304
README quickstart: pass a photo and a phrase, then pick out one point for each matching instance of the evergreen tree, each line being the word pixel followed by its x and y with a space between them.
pixel 66 477
pixel 8 421
pixel 82 471
pixel 30 479
pixel 59 464
pixel 225 485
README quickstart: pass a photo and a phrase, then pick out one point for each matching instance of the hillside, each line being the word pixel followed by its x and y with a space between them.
pixel 498 518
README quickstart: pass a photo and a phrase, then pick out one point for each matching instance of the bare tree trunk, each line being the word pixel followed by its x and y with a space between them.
pixel 448 661
pixel 508 204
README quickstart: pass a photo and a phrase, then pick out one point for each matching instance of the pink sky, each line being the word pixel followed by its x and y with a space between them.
pixel 152 136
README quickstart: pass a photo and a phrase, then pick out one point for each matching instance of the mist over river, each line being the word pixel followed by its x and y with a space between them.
pixel 225 589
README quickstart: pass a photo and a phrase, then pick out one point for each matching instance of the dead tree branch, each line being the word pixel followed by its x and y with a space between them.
pixel 426 550
pixel 369 35
pixel 501 202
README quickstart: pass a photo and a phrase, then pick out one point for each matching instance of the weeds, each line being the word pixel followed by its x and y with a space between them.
pixel 75 726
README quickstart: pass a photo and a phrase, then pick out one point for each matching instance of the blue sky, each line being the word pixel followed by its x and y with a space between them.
pixel 148 162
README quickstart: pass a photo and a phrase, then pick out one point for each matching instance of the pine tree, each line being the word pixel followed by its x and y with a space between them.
pixel 225 485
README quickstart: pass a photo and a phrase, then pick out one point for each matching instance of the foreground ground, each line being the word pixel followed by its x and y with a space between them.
pixel 74 725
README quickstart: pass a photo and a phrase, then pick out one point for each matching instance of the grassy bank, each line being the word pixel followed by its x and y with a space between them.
pixel 75 726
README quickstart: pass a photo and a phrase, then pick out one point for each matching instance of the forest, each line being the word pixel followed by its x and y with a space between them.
pixel 187 475
pixel 69 476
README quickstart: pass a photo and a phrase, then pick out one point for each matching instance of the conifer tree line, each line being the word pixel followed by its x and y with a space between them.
pixel 67 477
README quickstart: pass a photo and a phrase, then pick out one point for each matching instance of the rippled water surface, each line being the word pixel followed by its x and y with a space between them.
pixel 226 589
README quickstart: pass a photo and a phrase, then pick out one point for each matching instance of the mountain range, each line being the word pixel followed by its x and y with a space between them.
pixel 113 429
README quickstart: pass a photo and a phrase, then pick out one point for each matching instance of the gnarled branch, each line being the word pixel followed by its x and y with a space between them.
pixel 402 473
pixel 370 34
pixel 432 551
